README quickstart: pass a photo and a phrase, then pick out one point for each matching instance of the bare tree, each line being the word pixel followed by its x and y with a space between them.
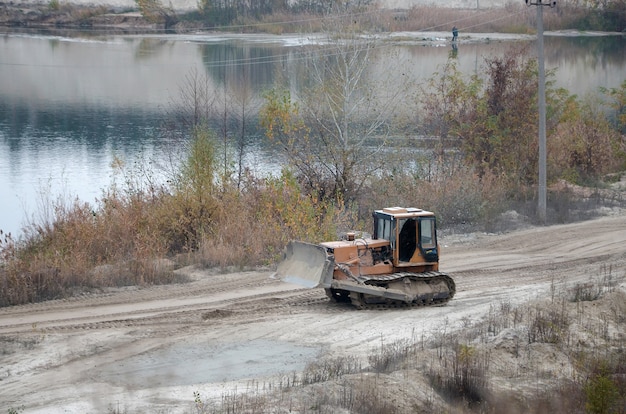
pixel 237 108
pixel 194 105
pixel 226 112
pixel 335 132
pixel 245 106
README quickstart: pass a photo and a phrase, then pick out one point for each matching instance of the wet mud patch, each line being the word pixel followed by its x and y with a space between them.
pixel 201 363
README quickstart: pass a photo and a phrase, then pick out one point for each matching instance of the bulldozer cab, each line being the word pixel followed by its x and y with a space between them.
pixel 411 233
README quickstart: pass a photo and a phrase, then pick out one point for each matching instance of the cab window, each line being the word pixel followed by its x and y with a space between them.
pixel 427 233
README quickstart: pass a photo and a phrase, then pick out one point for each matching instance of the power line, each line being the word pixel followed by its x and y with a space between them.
pixel 288 22
pixel 492 20
pixel 329 51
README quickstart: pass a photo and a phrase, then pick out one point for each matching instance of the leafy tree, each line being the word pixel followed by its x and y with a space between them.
pixel 504 139
pixel 493 120
pixel 188 215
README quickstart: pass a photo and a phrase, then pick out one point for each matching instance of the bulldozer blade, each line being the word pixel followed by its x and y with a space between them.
pixel 305 264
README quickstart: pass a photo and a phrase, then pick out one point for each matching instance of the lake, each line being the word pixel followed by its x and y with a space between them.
pixel 70 105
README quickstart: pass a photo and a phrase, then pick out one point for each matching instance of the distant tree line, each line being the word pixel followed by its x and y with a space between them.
pixel 607 14
pixel 227 12
pixel 223 12
pixel 603 15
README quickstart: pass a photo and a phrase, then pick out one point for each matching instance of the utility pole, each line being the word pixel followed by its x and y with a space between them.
pixel 541 98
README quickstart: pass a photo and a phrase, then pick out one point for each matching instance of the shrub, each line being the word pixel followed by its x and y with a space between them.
pixel 548 325
pixel 462 375
pixel 602 395
pixel 458 195
pixel 585 145
pixel 329 369
pixel 390 357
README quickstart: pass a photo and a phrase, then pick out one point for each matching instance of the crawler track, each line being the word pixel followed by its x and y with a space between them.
pixel 420 289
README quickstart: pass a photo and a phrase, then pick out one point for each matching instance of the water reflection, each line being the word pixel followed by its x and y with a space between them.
pixel 602 65
pixel 454 53
pixel 232 63
pixel 604 50
pixel 66 151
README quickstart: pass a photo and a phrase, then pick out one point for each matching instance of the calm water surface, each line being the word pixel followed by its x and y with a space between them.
pixel 70 105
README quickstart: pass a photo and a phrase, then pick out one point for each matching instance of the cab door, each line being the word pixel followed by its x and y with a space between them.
pixel 428 239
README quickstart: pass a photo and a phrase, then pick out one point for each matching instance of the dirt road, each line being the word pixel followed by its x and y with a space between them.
pixel 150 349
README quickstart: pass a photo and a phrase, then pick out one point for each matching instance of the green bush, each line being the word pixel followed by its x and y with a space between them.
pixel 602 395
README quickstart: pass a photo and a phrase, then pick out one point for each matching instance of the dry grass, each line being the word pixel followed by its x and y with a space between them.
pixel 124 238
pixel 503 362
pixel 453 190
pixel 80 247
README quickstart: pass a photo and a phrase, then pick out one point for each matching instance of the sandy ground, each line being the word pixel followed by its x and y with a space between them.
pixel 150 349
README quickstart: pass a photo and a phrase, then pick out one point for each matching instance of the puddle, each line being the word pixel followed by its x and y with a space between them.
pixel 188 364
